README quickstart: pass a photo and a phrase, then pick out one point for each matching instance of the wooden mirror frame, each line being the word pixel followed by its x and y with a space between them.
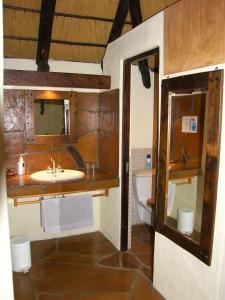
pixel 211 82
pixel 30 136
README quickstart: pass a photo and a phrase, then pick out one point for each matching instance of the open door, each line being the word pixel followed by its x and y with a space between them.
pixel 152 60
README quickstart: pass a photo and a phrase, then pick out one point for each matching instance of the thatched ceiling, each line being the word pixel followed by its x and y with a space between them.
pixel 21 27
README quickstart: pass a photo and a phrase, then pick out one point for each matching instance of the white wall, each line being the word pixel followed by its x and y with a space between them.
pixel 6 286
pixel 55 66
pixel 141 111
pixel 26 219
pixel 177 273
pixel 147 36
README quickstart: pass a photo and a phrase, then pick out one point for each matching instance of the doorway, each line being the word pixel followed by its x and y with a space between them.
pixel 139 140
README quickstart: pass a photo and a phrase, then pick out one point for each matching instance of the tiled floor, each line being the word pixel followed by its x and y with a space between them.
pixel 86 267
pixel 142 240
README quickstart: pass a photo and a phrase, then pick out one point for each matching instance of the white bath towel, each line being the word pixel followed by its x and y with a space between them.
pixel 60 214
pixel 171 196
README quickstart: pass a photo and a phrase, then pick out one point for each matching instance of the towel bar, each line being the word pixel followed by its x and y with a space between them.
pixel 17 202
pixel 180 181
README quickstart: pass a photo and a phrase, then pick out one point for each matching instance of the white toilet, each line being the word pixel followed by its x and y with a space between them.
pixel 142 182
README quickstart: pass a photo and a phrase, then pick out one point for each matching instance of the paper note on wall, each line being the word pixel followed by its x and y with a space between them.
pixel 190 124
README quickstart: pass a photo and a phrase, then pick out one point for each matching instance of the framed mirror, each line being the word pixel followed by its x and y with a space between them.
pixel 50 117
pixel 189 160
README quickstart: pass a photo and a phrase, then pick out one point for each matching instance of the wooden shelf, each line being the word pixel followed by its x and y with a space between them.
pixel 24 186
pixel 182 171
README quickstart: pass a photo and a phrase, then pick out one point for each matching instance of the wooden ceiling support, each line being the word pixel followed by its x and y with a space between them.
pixel 45 33
pixel 56 79
pixel 136 19
pixel 119 20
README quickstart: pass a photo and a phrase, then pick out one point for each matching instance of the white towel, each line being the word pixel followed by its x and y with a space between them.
pixel 60 214
pixel 171 196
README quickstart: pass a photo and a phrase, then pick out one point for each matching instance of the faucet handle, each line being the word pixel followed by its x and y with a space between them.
pixel 87 167
pixel 93 168
pixel 49 169
pixel 59 168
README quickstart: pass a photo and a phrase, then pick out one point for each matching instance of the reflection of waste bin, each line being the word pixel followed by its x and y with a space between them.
pixel 20 250
pixel 185 220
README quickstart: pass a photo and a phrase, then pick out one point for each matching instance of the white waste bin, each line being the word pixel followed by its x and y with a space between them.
pixel 185 220
pixel 21 256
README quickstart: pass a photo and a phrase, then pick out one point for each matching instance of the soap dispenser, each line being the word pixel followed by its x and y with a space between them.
pixel 21 166
pixel 148 161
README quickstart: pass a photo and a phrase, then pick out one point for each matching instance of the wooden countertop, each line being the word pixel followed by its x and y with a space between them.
pixel 23 186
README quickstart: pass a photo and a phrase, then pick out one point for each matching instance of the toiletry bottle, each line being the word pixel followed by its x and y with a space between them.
pixel 148 161
pixel 21 166
pixel 193 125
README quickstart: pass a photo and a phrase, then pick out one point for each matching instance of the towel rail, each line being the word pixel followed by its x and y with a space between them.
pixel 17 202
pixel 180 181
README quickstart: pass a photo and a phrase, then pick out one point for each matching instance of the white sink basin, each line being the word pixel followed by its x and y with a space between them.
pixel 59 176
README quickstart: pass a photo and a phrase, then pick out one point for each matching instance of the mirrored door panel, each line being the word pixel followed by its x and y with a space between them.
pixel 189 160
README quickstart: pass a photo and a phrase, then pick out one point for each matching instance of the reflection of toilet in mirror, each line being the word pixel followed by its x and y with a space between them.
pixel 142 183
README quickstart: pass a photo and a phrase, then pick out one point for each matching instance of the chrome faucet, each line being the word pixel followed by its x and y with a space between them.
pixel 52 169
pixel 53 166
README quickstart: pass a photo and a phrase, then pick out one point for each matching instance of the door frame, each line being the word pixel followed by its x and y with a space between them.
pixel 126 137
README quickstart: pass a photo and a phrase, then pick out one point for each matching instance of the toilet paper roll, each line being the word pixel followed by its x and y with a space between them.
pixel 185 220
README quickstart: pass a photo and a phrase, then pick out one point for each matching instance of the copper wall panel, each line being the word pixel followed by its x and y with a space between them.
pixel 86 143
pixel 37 156
pixel 14 106
pixel 90 145
pixel 97 117
pixel 14 142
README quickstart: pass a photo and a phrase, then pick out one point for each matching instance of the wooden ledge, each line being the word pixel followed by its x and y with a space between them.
pixel 24 186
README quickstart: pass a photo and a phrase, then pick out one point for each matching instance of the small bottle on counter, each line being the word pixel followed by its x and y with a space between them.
pixel 148 161
pixel 21 166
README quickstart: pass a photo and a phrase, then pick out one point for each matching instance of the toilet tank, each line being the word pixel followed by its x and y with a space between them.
pixel 143 183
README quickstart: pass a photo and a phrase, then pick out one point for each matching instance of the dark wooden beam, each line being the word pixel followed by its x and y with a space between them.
pixel 136 19
pixel 145 73
pixel 119 20
pixel 55 79
pixel 45 33
pixel 135 12
pixel 30 39
pixel 60 14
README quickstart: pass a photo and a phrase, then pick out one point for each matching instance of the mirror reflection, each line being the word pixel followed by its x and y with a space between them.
pixel 186 162
pixel 51 117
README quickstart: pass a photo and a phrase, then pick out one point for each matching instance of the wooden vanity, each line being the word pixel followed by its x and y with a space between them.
pixel 92 120
pixel 24 186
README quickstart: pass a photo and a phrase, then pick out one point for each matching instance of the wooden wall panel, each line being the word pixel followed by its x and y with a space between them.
pixel 194 35
pixel 87 113
pixel 109 132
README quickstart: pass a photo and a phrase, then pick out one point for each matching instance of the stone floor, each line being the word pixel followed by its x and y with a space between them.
pixel 87 267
